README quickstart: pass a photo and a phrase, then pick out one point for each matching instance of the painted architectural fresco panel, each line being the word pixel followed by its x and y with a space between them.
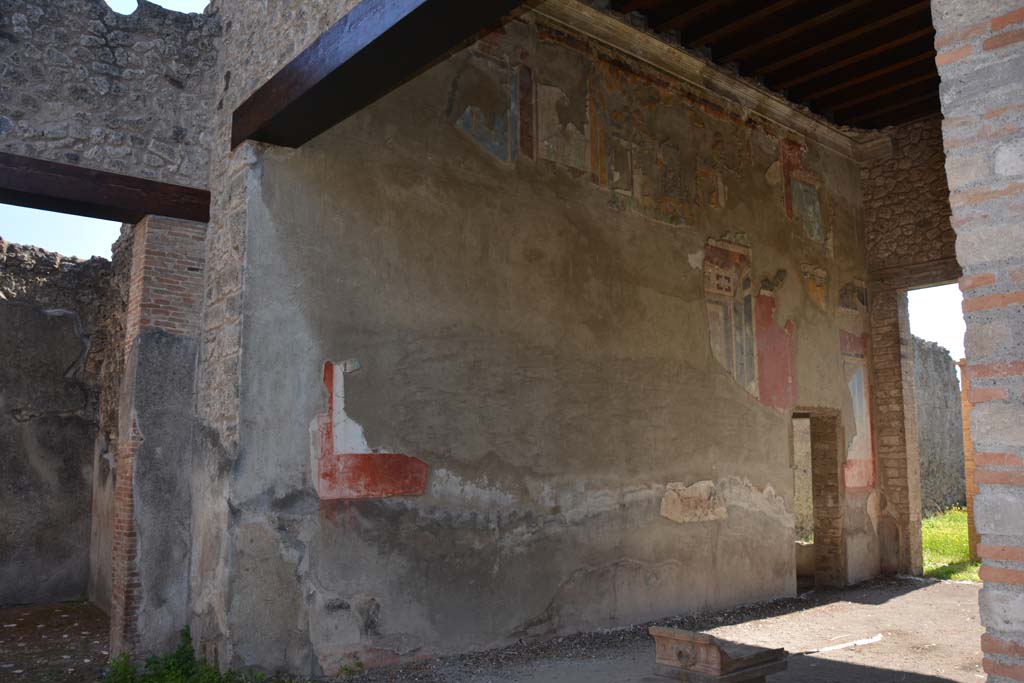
pixel 730 306
pixel 485 105
pixel 776 356
pixel 859 469
pixel 807 209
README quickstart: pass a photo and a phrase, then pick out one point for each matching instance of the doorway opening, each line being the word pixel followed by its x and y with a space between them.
pixel 938 421
pixel 819 497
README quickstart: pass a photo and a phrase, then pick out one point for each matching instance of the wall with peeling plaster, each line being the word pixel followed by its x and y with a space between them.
pixel 514 247
pixel 57 343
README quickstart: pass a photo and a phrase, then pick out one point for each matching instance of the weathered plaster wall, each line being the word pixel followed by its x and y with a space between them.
pixel 980 60
pixel 82 84
pixel 522 251
pixel 940 438
pixel 56 347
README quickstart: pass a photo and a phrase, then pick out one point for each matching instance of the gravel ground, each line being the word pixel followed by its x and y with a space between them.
pixel 930 633
pixel 53 643
pixel 919 632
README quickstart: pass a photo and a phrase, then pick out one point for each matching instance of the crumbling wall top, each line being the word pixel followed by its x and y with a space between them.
pixel 132 94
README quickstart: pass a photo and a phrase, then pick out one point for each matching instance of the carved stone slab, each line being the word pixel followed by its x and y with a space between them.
pixel 701 658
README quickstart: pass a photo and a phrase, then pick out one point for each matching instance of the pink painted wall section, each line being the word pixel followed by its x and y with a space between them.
pixel 776 356
pixel 346 468
pixel 859 469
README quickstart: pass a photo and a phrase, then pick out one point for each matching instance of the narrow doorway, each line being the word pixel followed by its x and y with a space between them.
pixel 938 420
pixel 820 546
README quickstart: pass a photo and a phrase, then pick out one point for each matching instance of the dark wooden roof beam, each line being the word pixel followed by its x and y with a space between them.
pixel 792 28
pixel 920 104
pixel 377 46
pixel 860 72
pixel 65 188
pixel 682 16
pixel 913 73
pixel 803 74
pixel 894 89
pixel 732 25
pixel 917 16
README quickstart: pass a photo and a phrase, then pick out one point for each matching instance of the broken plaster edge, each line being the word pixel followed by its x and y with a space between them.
pixel 614 33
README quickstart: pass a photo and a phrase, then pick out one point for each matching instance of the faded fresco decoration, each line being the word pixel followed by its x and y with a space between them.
pixel 730 306
pixel 859 470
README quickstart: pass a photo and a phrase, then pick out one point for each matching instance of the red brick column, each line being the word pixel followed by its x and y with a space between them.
pixel 165 293
pixel 970 485
pixel 981 61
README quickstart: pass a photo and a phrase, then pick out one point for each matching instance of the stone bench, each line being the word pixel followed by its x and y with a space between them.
pixel 699 658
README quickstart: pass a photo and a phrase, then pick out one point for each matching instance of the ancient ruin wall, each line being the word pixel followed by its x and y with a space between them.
pixel 82 84
pixel 58 350
pixel 906 200
pixel 939 427
pixel 534 327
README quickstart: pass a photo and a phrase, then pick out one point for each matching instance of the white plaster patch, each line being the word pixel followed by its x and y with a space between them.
pixel 1010 159
pixel 697 502
pixel 564 144
pixel 446 484
pixel 696 259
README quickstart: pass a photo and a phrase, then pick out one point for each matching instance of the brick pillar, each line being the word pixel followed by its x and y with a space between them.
pixel 899 467
pixel 829 501
pixel 162 321
pixel 970 485
pixel 981 61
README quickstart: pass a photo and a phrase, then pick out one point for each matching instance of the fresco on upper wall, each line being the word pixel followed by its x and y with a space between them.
pixel 730 306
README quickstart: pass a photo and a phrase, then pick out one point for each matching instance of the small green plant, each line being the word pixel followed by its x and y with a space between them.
pixel 181 666
pixel 945 545
pixel 353 668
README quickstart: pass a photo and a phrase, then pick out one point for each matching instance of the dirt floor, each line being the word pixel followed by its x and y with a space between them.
pixel 929 632
pixel 55 643
pixel 910 632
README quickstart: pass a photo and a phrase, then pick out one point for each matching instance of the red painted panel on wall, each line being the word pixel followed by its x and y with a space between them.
pixel 346 476
pixel 776 356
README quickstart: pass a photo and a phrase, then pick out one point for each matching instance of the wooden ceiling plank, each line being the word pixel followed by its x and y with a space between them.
pixel 894 88
pixel 712 34
pixel 816 47
pixel 684 16
pixel 776 37
pixel 923 63
pixel 924 100
pixel 878 49
pixel 838 83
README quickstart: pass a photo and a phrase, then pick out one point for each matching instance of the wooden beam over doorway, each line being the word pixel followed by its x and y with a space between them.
pixel 65 188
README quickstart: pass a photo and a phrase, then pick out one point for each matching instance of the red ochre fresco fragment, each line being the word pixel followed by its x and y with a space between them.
pixel 776 356
pixel 352 476
pixel 853 344
pixel 348 476
pixel 859 474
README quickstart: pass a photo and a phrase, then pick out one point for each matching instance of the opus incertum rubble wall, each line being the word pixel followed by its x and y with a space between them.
pixel 132 94
pixel 940 436
pixel 981 61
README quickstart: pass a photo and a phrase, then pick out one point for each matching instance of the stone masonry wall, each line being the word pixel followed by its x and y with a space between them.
pixel 550 341
pixel 981 61
pixel 906 200
pixel 909 243
pixel 939 427
pixel 82 84
pixel 58 350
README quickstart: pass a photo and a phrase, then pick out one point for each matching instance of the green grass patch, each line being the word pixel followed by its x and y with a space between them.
pixel 946 552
